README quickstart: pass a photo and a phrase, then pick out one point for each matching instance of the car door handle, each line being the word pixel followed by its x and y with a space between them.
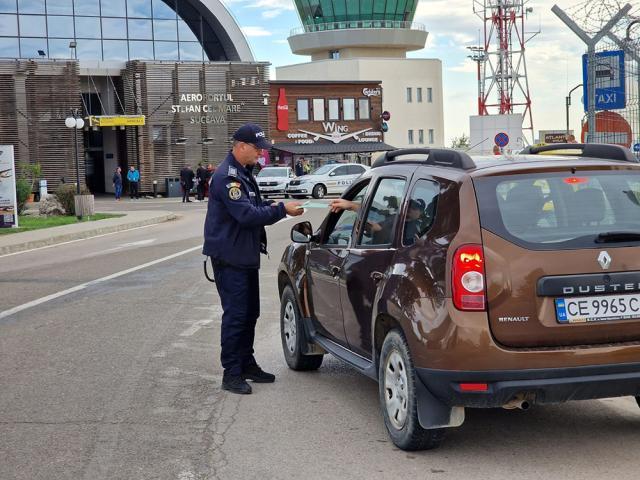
pixel 376 276
pixel 335 271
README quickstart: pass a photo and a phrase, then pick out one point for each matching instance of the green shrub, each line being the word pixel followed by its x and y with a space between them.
pixel 23 190
pixel 65 193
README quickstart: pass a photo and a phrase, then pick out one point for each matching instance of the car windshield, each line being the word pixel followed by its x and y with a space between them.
pixel 322 170
pixel 556 210
pixel 273 172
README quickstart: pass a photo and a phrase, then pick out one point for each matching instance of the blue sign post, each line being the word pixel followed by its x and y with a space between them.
pixel 501 139
pixel 610 89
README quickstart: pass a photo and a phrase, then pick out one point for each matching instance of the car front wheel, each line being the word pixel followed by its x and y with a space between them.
pixel 319 191
pixel 293 335
pixel 398 398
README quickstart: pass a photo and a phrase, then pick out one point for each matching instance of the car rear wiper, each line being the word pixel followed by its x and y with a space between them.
pixel 608 237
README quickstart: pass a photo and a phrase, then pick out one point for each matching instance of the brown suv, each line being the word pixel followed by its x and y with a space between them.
pixel 486 282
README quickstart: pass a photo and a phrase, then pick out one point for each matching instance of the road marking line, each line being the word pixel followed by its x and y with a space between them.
pixel 77 288
pixel 78 240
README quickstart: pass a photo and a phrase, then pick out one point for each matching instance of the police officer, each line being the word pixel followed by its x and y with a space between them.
pixel 234 237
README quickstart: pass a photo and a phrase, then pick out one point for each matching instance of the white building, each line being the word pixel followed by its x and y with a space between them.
pixel 359 47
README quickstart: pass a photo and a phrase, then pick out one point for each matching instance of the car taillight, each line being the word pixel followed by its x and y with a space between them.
pixel 468 278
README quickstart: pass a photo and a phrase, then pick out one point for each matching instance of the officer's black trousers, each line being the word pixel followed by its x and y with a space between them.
pixel 240 296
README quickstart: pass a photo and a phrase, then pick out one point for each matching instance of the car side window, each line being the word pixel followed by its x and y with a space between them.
pixel 421 211
pixel 382 213
pixel 340 171
pixel 355 169
pixel 340 230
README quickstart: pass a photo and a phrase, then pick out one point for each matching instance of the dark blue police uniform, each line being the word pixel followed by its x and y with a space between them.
pixel 234 238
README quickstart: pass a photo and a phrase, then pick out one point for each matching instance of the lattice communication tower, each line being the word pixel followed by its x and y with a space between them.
pixel 503 86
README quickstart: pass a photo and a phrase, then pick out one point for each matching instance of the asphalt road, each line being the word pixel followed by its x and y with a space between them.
pixel 121 380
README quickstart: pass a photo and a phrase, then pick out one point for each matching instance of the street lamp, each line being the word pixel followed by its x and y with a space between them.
pixel 568 103
pixel 75 122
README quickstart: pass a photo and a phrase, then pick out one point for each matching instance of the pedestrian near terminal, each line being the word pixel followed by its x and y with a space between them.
pixel 117 183
pixel 201 179
pixel 186 182
pixel 208 177
pixel 234 237
pixel 133 176
pixel 571 138
pixel 299 169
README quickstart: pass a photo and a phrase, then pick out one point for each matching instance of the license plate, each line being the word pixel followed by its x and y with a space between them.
pixel 598 308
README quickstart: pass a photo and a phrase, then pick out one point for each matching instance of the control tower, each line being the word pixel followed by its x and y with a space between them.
pixel 339 29
pixel 368 40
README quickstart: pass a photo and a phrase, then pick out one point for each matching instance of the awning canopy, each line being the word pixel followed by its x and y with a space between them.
pixel 329 148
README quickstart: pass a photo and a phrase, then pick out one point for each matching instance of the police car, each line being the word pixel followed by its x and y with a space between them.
pixel 274 180
pixel 332 178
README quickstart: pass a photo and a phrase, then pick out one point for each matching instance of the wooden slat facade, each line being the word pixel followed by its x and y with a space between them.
pixel 171 139
pixel 35 99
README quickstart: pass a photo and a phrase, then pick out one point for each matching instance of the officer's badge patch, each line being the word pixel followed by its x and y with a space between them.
pixel 233 184
pixel 234 193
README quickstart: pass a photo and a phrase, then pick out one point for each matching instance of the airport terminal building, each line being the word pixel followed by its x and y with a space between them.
pixel 160 84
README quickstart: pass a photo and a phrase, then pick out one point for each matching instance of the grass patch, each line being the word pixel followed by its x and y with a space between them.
pixel 31 222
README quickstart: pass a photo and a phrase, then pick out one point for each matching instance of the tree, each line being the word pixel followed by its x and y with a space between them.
pixel 461 142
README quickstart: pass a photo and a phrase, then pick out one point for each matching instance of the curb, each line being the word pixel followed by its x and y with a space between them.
pixel 67 237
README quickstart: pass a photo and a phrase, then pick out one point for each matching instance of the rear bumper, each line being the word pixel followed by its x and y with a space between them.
pixel 553 385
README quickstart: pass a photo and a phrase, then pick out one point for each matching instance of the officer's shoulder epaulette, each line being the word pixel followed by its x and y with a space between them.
pixel 233 171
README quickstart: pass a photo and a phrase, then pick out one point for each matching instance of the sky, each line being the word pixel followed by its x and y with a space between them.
pixel 553 56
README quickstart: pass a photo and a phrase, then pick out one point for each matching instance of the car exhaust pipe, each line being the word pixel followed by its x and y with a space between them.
pixel 519 401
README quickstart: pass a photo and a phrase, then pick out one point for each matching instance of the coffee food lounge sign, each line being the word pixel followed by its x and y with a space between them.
pixel 208 108
pixel 335 133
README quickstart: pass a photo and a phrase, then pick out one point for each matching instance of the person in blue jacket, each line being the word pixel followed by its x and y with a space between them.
pixel 133 176
pixel 234 237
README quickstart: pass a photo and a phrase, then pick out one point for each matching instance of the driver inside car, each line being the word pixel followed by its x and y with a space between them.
pixel 383 228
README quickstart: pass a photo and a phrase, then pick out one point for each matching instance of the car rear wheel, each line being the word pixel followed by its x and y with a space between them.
pixel 398 398
pixel 319 191
pixel 293 335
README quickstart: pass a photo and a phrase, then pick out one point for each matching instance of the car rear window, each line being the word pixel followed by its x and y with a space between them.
pixel 550 211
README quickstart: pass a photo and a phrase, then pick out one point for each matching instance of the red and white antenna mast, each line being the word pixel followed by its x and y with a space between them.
pixel 502 69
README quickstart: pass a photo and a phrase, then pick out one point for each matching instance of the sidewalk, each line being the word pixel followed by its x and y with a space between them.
pixel 18 242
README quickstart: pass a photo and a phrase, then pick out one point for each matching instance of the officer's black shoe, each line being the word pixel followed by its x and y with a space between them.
pixel 255 373
pixel 235 384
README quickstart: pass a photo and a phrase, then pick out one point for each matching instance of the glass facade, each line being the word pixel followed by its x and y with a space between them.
pixel 315 12
pixel 106 30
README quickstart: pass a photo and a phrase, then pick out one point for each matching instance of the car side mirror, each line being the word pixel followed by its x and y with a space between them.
pixel 302 232
pixel 332 174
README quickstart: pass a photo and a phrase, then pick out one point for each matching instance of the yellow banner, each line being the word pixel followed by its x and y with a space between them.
pixel 117 120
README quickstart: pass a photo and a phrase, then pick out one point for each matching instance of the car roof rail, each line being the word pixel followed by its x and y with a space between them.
pixel 443 157
pixel 592 150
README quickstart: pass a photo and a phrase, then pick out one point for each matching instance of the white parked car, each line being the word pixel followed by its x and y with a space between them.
pixel 274 180
pixel 332 178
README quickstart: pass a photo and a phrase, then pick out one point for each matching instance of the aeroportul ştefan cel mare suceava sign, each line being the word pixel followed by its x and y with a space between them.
pixel 8 203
